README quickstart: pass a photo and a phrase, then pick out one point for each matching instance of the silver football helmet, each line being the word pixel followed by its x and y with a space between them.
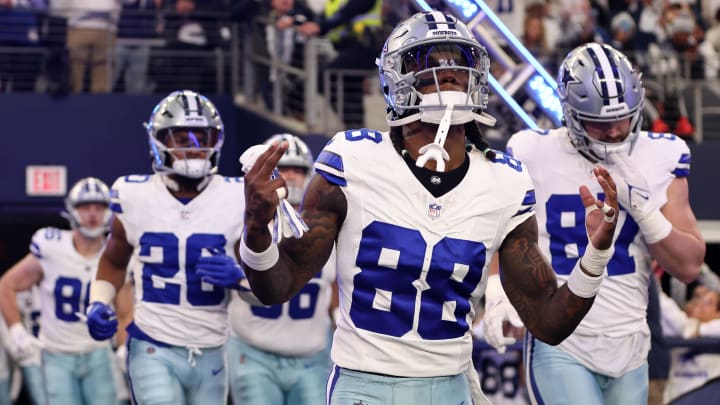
pixel 181 124
pixel 297 155
pixel 416 52
pixel 86 191
pixel 598 83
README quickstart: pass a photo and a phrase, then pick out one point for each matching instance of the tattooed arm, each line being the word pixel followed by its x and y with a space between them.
pixel 324 208
pixel 550 313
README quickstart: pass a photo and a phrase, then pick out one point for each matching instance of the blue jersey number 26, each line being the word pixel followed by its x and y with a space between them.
pixel 391 259
pixel 169 292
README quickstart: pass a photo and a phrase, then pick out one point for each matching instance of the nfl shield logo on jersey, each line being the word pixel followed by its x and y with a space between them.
pixel 434 210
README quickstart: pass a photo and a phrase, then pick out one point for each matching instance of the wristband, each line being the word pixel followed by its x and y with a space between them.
pixel 655 227
pixel 582 284
pixel 595 260
pixel 494 290
pixel 259 261
pixel 102 291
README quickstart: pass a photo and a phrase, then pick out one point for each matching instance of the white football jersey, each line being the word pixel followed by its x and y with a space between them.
pixel 172 304
pixel 411 267
pixel 299 327
pixel 614 336
pixel 64 291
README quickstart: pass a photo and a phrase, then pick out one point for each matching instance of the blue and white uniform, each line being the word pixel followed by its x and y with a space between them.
pixel 278 354
pixel 411 268
pixel 176 341
pixel 76 368
pixel 613 339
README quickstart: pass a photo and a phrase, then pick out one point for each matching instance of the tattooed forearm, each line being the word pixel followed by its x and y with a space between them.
pixel 323 210
pixel 550 313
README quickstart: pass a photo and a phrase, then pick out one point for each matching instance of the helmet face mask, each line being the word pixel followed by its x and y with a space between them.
pixel 417 55
pixel 298 156
pixel 85 192
pixel 597 84
pixel 186 135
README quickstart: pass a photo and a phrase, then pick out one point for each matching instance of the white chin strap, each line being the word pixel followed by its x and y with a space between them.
pixel 192 168
pixel 91 232
pixel 435 151
pixel 431 111
pixel 174 186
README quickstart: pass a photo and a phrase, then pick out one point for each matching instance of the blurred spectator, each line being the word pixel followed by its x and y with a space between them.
pixel 355 30
pixel 534 35
pixel 691 369
pixel 578 22
pixel 189 27
pixel 683 35
pixel 284 46
pixel 19 27
pixel 137 33
pixel 710 49
pixel 622 28
pixel 91 30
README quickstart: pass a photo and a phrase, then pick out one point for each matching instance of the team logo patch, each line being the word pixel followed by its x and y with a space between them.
pixel 150 350
pixel 434 211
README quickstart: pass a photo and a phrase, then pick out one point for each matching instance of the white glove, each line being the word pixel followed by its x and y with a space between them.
pixel 25 347
pixel 633 194
pixel 287 222
pixel 497 310
pixel 121 354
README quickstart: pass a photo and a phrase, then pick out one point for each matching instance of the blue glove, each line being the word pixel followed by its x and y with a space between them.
pixel 101 320
pixel 220 270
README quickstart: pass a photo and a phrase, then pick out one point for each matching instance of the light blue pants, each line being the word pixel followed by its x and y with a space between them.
pixel 5 392
pixel 556 378
pixel 262 378
pixel 175 376
pixel 85 378
pixel 349 387
pixel 33 380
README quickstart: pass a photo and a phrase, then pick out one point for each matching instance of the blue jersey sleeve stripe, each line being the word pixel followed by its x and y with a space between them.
pixel 35 250
pixel 684 158
pixel 678 172
pixel 523 211
pixel 331 178
pixel 332 160
pixel 529 198
pixel 116 207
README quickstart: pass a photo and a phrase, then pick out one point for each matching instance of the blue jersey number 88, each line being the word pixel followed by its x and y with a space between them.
pixel 391 259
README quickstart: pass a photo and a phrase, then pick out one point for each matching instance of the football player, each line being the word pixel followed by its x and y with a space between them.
pixel 602 96
pixel 183 225
pixel 416 214
pixel 76 368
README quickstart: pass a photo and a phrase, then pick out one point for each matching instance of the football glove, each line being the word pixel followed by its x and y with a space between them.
pixel 25 347
pixel 497 310
pixel 220 269
pixel 633 194
pixel 101 320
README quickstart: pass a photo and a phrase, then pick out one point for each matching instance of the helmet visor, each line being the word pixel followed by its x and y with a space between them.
pixel 434 55
pixel 189 138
